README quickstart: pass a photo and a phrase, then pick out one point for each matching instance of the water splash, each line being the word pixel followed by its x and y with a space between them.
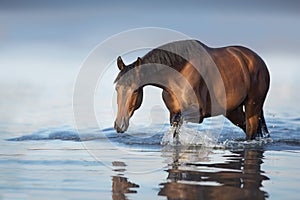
pixel 234 144
pixel 189 136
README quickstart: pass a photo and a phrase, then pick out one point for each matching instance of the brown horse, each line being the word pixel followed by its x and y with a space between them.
pixel 198 82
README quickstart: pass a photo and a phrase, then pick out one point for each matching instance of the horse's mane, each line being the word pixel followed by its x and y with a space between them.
pixel 175 55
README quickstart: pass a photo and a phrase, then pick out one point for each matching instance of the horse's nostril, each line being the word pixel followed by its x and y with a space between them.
pixel 118 129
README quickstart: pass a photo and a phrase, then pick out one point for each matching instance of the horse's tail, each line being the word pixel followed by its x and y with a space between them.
pixel 263 124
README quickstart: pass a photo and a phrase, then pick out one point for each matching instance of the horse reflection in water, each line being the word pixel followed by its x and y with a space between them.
pixel 240 177
pixel 120 185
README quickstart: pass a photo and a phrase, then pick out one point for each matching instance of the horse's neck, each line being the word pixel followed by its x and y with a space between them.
pixel 176 85
pixel 157 75
pixel 166 78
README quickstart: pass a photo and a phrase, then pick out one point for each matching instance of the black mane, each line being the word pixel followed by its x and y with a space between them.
pixel 175 55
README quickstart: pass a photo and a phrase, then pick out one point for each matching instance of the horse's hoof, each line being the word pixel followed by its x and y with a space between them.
pixel 177 120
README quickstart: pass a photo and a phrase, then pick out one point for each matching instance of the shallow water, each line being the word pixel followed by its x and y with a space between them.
pixel 59 163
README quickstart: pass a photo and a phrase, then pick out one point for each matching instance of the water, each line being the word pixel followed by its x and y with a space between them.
pixel 62 164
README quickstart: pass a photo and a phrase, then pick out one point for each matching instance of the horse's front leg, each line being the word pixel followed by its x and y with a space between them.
pixel 176 119
pixel 176 122
pixel 175 111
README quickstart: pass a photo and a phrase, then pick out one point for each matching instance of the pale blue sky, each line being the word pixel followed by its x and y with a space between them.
pixel 256 23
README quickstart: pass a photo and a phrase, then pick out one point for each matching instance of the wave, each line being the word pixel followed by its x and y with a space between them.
pixel 157 137
pixel 61 133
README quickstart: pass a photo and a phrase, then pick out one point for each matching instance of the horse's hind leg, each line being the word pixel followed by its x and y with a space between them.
pixel 253 109
pixel 237 117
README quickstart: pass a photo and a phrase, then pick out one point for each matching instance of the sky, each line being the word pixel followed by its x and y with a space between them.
pixel 43 45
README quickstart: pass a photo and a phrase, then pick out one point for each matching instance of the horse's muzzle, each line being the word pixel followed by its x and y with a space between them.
pixel 121 127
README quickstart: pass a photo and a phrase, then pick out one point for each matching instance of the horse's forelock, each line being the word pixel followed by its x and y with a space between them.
pixel 124 71
pixel 118 78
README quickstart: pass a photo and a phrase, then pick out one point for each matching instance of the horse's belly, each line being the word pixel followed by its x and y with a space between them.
pixel 230 94
pixel 234 101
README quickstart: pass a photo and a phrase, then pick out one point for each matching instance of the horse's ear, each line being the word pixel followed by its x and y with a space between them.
pixel 120 63
pixel 138 62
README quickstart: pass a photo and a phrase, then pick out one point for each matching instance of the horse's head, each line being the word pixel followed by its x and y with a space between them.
pixel 129 93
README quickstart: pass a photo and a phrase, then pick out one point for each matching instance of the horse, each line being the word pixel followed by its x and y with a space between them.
pixel 197 82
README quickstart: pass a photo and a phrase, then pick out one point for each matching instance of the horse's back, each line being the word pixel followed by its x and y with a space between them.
pixel 244 56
